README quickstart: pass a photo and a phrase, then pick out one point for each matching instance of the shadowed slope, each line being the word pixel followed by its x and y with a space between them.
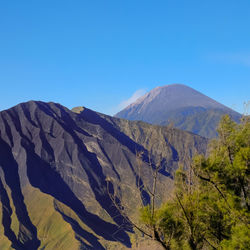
pixel 69 157
pixel 27 236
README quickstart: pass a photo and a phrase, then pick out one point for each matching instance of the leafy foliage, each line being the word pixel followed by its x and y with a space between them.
pixel 210 205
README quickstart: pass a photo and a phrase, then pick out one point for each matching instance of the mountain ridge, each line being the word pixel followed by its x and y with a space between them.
pixel 54 168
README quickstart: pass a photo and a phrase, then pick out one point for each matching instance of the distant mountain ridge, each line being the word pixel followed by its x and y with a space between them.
pixel 181 105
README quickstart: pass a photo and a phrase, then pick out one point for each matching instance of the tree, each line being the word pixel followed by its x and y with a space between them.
pixel 227 171
pixel 209 208
pixel 148 210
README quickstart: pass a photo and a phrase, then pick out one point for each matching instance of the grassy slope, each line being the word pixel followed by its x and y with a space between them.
pixel 53 231
pixel 4 242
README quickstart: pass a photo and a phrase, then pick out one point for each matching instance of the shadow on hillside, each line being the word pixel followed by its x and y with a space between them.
pixel 45 174
pixel 93 240
pixel 27 239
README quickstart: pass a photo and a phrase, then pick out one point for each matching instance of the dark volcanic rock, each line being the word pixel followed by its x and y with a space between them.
pixel 58 169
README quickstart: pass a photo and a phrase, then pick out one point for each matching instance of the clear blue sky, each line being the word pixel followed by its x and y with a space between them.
pixel 99 53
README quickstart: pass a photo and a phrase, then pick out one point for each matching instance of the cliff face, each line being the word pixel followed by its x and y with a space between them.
pixel 59 170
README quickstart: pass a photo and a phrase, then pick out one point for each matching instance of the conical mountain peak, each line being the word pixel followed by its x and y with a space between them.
pixel 179 104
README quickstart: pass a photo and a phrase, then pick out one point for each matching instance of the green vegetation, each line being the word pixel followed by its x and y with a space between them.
pixel 53 231
pixel 210 206
pixel 199 120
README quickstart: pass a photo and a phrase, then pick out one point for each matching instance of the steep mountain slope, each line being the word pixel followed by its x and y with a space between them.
pixel 181 105
pixel 58 169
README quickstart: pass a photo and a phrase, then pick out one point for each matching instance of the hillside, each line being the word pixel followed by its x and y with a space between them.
pixel 54 170
pixel 181 105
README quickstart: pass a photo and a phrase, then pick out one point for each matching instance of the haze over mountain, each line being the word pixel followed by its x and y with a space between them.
pixel 181 105
pixel 58 168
